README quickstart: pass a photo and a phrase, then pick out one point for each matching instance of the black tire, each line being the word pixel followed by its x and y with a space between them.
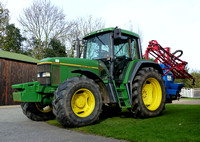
pixel 149 93
pixel 72 114
pixel 34 111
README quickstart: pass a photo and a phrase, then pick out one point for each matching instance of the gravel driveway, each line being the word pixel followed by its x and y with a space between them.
pixel 16 127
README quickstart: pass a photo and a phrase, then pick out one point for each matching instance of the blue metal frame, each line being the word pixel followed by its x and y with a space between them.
pixel 172 89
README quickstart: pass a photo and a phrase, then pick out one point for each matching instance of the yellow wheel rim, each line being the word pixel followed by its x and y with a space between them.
pixel 83 102
pixel 152 94
pixel 44 109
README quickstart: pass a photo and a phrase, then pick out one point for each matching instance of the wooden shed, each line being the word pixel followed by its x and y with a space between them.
pixel 14 69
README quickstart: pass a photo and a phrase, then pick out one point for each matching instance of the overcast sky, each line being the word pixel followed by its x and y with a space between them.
pixel 173 23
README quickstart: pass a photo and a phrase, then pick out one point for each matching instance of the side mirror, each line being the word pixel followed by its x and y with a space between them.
pixel 117 33
pixel 76 46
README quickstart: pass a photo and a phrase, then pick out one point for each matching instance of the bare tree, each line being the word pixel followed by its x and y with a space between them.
pixel 44 21
pixel 134 28
pixel 4 22
pixel 84 25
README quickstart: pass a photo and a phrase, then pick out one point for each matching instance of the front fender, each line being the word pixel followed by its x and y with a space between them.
pixel 106 97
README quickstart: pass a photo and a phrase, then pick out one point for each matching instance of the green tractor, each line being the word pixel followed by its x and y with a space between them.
pixel 111 72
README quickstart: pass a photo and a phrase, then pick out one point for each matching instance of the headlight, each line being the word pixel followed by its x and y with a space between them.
pixel 38 75
pixel 44 74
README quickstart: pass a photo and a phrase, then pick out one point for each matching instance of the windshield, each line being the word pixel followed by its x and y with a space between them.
pixel 121 47
pixel 98 47
pixel 126 46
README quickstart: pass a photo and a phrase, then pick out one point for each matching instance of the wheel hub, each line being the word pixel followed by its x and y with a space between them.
pixel 44 109
pixel 151 94
pixel 80 102
pixel 147 94
pixel 83 102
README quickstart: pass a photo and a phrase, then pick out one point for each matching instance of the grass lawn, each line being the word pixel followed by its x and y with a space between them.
pixel 179 123
pixel 191 98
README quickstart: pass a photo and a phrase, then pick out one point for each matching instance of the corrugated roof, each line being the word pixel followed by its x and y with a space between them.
pixel 16 56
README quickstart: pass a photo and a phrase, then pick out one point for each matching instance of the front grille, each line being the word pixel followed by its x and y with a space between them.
pixel 45 81
pixel 42 69
pixel 56 74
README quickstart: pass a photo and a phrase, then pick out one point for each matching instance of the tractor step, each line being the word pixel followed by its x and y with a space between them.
pixel 122 95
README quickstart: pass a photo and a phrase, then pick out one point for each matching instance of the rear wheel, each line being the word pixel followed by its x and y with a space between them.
pixel 77 102
pixel 37 111
pixel 149 94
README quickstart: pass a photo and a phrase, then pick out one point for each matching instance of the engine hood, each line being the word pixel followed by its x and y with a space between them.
pixel 76 62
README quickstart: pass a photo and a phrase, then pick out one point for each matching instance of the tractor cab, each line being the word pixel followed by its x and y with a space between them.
pixel 114 49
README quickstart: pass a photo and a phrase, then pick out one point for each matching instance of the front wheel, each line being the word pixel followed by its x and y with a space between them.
pixel 149 93
pixel 77 102
pixel 37 112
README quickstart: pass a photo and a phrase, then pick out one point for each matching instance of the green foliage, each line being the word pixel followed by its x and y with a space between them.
pixel 38 51
pixel 179 123
pixel 188 83
pixel 4 20
pixel 10 36
pixel 37 48
pixel 4 16
pixel 56 49
pixel 12 40
pixel 151 59
pixel 44 21
pixel 46 29
pixel 196 75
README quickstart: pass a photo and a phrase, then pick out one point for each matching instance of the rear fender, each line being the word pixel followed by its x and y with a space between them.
pixel 141 64
pixel 135 67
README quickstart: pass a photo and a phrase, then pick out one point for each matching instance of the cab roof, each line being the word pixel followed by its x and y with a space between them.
pixel 109 30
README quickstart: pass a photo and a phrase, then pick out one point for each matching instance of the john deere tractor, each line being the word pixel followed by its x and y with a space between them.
pixel 110 72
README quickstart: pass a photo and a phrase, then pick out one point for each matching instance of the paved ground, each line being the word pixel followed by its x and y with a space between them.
pixel 187 101
pixel 15 127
